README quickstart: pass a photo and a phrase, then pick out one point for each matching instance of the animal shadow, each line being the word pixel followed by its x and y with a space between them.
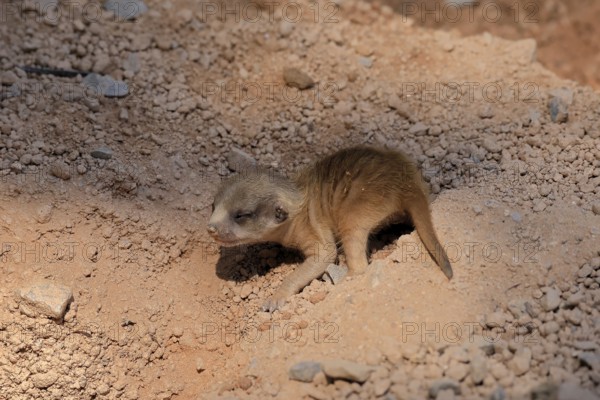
pixel 240 263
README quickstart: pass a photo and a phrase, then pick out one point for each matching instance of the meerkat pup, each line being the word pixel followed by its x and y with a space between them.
pixel 342 198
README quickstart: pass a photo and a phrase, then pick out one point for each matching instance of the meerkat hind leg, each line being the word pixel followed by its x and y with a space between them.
pixel 355 248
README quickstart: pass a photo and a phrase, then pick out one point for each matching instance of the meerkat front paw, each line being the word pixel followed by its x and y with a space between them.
pixel 273 303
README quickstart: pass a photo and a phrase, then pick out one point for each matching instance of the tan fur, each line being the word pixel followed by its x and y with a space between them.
pixel 345 197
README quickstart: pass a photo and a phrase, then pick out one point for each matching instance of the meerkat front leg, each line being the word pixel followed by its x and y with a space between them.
pixel 313 267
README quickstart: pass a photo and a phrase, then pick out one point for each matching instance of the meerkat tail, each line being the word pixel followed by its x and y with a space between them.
pixel 421 218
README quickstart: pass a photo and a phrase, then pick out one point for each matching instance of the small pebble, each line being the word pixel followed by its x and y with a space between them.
pixel 296 78
pixel 304 371
pixel 103 153
pixel 200 365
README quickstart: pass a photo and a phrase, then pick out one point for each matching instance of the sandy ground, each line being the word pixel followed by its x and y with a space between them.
pixel 109 198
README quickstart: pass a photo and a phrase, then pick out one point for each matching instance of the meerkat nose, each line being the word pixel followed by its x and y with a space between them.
pixel 211 229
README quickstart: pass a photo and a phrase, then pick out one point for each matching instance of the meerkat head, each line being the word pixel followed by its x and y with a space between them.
pixel 248 208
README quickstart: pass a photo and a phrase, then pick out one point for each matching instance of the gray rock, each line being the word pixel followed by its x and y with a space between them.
pixel 461 2
pixel 238 160
pixel 516 308
pixel 532 309
pixel 596 208
pixel 558 104
pixel 335 273
pixel 446 394
pixel 366 62
pixel 590 360
pixel 551 300
pixel 347 370
pixel 443 384
pixel 545 391
pixel 299 79
pixel 570 391
pixel 585 271
pixel 48 299
pixel 516 216
pixel 559 111
pixel 104 85
pixel 585 345
pixel 418 129
pixel 103 153
pixel 498 394
pixel 126 9
pixel 304 371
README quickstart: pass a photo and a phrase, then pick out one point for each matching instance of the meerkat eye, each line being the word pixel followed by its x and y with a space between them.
pixel 213 207
pixel 243 215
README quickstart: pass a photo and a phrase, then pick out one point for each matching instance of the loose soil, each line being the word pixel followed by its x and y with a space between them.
pixel 160 312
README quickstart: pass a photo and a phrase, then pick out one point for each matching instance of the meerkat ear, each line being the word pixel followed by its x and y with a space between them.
pixel 281 213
